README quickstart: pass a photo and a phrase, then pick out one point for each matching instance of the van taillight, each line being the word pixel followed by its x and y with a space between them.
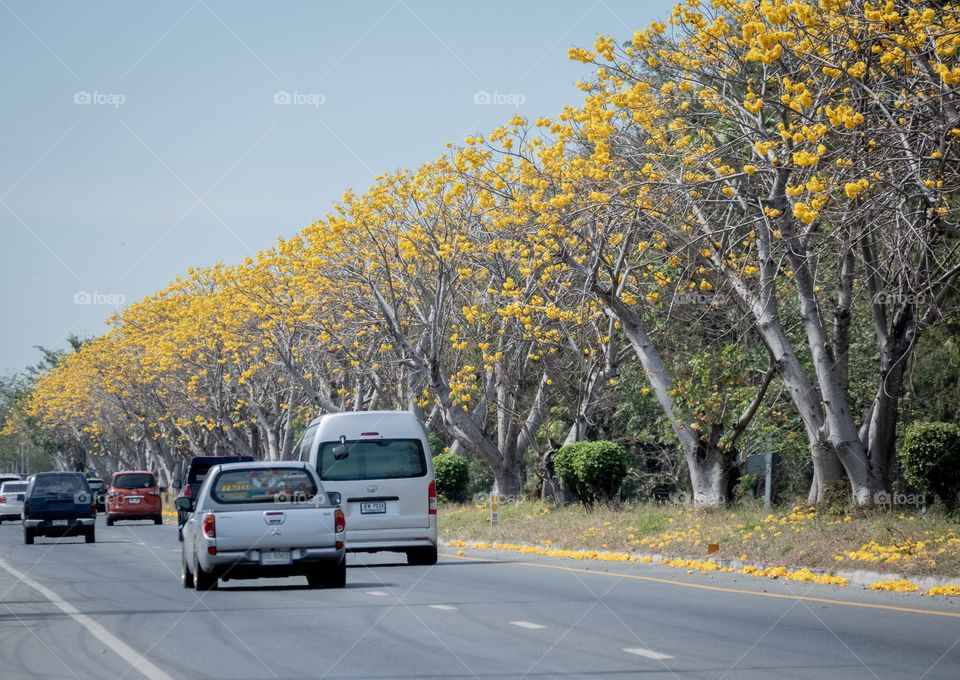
pixel 209 525
pixel 432 498
pixel 339 526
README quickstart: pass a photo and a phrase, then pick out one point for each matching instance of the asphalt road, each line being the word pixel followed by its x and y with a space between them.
pixel 116 609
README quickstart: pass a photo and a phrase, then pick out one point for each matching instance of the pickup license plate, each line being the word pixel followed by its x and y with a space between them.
pixel 59 522
pixel 133 499
pixel 275 557
pixel 378 508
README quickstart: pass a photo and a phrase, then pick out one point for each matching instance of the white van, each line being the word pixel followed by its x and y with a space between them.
pixel 380 464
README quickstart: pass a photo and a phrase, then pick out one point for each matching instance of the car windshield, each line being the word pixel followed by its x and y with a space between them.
pixel 373 459
pixel 264 485
pixel 13 487
pixel 58 484
pixel 134 481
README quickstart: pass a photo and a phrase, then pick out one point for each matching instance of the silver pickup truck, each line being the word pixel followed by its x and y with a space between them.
pixel 262 520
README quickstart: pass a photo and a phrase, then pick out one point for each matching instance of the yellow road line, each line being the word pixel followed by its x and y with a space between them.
pixel 722 589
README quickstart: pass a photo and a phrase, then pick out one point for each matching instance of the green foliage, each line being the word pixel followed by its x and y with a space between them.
pixel 930 456
pixel 453 477
pixel 593 470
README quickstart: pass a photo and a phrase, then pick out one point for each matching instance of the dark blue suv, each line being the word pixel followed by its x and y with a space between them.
pixel 58 504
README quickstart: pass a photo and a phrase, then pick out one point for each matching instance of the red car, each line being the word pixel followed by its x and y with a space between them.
pixel 134 495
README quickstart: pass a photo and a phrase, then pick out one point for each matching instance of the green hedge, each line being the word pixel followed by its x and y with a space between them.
pixel 930 457
pixel 593 470
pixel 453 477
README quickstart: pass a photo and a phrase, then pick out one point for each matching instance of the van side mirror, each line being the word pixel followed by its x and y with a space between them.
pixel 340 451
pixel 334 497
pixel 183 504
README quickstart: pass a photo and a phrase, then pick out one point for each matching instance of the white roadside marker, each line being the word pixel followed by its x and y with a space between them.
pixel 648 653
pixel 376 593
pixel 444 607
pixel 526 624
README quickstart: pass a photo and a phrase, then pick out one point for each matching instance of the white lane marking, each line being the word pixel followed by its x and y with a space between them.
pixel 376 593
pixel 118 646
pixel 444 607
pixel 526 624
pixel 648 653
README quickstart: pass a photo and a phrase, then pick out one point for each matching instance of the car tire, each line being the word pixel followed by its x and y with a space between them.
pixel 28 535
pixel 186 578
pixel 90 535
pixel 158 519
pixel 422 557
pixel 180 534
pixel 202 580
pixel 109 521
pixel 335 576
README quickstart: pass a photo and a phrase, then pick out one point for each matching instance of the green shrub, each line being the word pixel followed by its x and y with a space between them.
pixel 593 470
pixel 930 457
pixel 453 477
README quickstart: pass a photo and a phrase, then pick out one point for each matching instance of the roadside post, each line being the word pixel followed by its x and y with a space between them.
pixel 494 506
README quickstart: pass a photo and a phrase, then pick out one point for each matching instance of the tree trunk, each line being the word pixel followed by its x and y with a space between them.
pixel 708 476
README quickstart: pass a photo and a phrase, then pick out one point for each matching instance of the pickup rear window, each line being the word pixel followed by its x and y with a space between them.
pixel 264 485
pixel 134 481
pixel 373 459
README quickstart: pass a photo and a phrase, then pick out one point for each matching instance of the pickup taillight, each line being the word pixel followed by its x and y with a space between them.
pixel 339 526
pixel 187 492
pixel 209 525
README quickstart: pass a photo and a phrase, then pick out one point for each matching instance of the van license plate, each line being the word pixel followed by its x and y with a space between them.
pixel 59 522
pixel 373 508
pixel 275 557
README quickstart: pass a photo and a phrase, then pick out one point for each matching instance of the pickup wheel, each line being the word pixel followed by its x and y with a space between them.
pixel 422 556
pixel 186 578
pixel 203 580
pixel 335 575
pixel 28 535
pixel 90 535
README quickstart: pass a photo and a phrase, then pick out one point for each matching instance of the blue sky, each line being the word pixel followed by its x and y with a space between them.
pixel 140 139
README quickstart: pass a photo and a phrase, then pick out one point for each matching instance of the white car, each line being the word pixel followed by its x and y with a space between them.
pixel 11 500
pixel 262 520
pixel 380 464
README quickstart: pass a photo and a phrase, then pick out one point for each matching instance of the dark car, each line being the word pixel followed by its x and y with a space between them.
pixel 99 490
pixel 58 504
pixel 193 478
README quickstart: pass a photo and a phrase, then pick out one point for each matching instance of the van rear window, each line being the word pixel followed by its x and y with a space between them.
pixel 264 485
pixel 373 459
